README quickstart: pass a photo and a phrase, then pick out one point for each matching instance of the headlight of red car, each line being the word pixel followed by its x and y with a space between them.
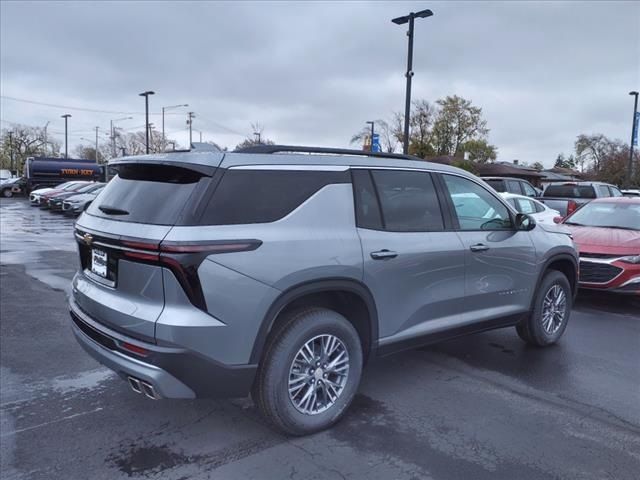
pixel 635 259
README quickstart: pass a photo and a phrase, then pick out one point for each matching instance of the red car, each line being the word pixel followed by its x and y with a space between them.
pixel 606 232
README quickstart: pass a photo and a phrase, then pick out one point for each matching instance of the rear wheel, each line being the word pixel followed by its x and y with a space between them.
pixel 310 372
pixel 551 311
pixel 7 193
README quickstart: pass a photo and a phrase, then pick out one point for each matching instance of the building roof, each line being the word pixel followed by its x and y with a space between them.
pixel 506 170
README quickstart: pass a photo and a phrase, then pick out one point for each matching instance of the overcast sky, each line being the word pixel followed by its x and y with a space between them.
pixel 313 73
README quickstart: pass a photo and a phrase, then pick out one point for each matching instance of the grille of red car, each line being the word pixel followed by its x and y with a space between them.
pixel 592 272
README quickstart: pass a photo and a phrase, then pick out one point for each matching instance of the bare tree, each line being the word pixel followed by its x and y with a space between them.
pixel 388 138
pixel 24 141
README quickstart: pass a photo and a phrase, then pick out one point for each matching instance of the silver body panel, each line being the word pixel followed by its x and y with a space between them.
pixel 434 284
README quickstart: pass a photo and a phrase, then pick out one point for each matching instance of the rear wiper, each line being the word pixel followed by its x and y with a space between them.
pixel 574 223
pixel 112 210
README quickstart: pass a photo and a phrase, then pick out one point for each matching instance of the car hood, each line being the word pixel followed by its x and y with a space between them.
pixel 81 197
pixel 42 191
pixel 606 240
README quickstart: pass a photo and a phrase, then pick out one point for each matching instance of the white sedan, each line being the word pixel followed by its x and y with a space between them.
pixel 539 211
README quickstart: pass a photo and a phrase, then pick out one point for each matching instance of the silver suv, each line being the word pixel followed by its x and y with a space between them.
pixel 278 271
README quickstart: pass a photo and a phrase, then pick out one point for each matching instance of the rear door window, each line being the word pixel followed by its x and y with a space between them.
pixel 526 206
pixel 603 191
pixel 513 186
pixel 146 193
pixel 367 207
pixel 408 200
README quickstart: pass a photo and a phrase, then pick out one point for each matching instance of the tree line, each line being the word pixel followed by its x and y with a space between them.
pixel 452 127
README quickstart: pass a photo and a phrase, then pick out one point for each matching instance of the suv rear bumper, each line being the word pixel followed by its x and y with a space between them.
pixel 172 372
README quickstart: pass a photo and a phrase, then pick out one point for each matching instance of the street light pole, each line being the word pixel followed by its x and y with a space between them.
pixel 11 151
pixel 146 114
pixel 66 134
pixel 371 123
pixel 634 133
pixel 168 108
pixel 407 104
pixel 190 118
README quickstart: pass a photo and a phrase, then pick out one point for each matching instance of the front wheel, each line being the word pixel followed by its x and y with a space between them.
pixel 310 372
pixel 551 310
pixel 7 193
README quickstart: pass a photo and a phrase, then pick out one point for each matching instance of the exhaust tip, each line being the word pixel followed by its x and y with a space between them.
pixel 134 383
pixel 149 391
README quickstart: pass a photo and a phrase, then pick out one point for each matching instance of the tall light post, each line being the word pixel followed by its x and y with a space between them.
pixel 11 151
pixel 372 123
pixel 66 134
pixel 146 114
pixel 407 104
pixel 634 136
pixel 190 117
pixel 169 108
pixel 113 133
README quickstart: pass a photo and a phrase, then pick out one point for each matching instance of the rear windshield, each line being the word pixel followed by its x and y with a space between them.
pixel 570 191
pixel 152 194
pixel 497 185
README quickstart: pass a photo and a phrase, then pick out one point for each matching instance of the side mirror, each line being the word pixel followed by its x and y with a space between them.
pixel 525 222
pixel 558 219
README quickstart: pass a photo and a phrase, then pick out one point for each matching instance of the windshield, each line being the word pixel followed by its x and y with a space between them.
pixel 607 214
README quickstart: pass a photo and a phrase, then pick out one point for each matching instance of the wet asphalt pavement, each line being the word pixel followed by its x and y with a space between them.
pixel 483 406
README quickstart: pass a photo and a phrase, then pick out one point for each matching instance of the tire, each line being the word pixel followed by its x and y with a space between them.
pixel 7 193
pixel 277 370
pixel 534 330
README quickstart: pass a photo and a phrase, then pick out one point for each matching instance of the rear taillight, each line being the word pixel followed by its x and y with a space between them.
pixel 184 258
pixel 571 207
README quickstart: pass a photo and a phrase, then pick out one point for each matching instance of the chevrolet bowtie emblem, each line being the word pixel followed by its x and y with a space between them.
pixel 87 238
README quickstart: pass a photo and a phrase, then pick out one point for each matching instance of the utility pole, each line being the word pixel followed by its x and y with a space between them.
pixel 190 118
pixel 634 137
pixel 150 132
pixel 97 144
pixel 200 136
pixel 66 134
pixel 114 151
pixel 407 104
pixel 146 114
pixel 11 151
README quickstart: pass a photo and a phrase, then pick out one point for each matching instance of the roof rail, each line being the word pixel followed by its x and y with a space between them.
pixel 267 149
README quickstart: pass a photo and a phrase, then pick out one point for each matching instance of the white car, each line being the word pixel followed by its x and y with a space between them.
pixel 538 210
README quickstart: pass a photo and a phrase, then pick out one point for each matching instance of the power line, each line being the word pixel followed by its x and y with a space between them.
pixel 80 109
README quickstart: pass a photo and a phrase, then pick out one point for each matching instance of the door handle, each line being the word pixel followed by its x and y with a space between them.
pixel 383 254
pixel 479 247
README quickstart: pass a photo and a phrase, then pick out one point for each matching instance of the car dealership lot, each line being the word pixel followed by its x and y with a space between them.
pixel 483 406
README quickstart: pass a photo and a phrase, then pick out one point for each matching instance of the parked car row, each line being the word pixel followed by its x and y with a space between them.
pixel 70 198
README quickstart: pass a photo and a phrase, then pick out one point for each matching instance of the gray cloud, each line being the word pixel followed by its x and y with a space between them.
pixel 314 72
